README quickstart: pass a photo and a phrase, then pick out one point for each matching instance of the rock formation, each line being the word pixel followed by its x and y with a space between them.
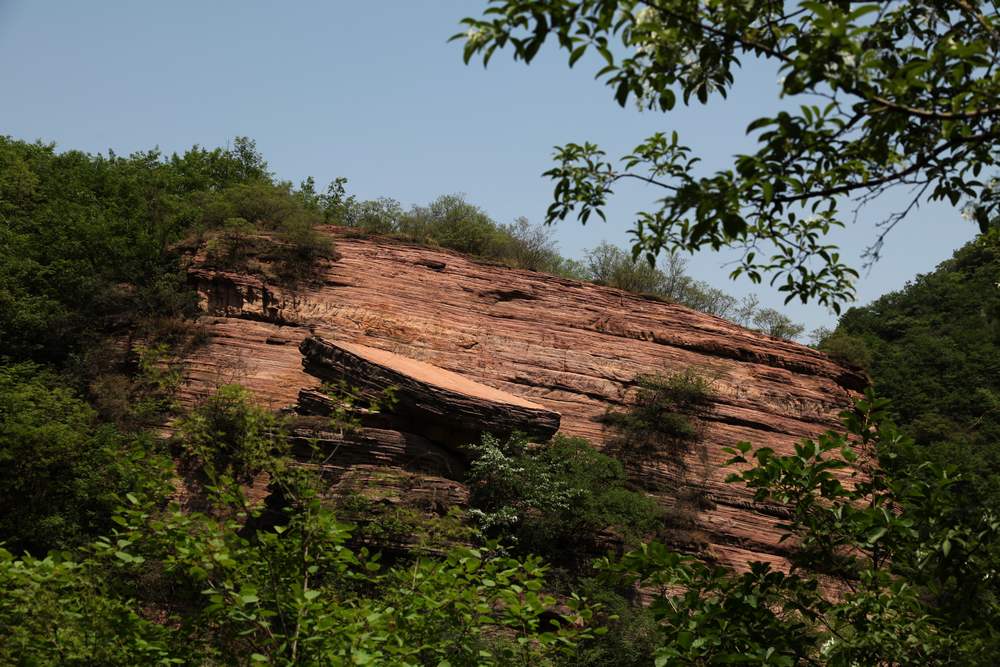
pixel 445 407
pixel 554 346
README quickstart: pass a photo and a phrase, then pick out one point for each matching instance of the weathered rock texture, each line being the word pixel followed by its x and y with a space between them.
pixel 445 407
pixel 573 348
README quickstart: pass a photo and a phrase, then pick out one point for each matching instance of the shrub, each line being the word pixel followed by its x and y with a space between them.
pixel 555 499
pixel 451 222
pixel 57 612
pixel 296 593
pixel 301 249
pixel 612 266
pixel 229 435
pixel 90 243
pixel 62 473
pixel 773 323
pixel 387 524
pixel 375 216
pixel 663 415
pixel 848 349
pixel 632 631
pixel 230 247
pixel 143 398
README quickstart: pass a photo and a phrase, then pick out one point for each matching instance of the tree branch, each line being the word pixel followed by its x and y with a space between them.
pixel 747 44
pixel 924 161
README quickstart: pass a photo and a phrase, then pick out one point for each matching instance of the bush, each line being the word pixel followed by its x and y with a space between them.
pixel 296 593
pixel 229 435
pixel 773 323
pixel 613 267
pixel 141 399
pixel 663 415
pixel 90 243
pixel 231 245
pixel 555 499
pixel 302 247
pixel 848 349
pixel 451 222
pixel 633 633
pixel 57 612
pixel 62 474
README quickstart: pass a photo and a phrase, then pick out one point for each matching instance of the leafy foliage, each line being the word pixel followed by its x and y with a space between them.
pixel 554 499
pixel 662 417
pixel 296 594
pixel 62 473
pixel 56 611
pixel 451 222
pixel 230 437
pixel 916 567
pixel 633 633
pixel 933 348
pixel 88 242
pixel 242 584
pixel 907 96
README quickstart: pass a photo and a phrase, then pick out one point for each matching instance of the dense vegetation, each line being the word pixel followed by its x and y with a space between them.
pixel 86 245
pixel 934 349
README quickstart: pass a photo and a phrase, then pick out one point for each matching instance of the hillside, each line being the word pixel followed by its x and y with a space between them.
pixel 247 423
pixel 934 349
pixel 575 348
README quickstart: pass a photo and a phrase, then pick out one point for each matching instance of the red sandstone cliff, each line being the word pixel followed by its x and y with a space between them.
pixel 573 348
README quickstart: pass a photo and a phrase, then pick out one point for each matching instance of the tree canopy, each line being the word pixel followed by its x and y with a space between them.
pixel 893 95
pixel 934 349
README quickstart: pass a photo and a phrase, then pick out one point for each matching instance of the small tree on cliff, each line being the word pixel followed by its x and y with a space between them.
pixel 896 94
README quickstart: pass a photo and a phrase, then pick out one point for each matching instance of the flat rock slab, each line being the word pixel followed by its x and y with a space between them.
pixel 438 404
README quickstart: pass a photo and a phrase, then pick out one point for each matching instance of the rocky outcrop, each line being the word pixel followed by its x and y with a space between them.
pixel 445 407
pixel 570 348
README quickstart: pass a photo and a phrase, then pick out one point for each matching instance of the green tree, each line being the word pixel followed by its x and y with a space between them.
pixel 89 243
pixel 773 323
pixel 229 436
pixel 62 473
pixel 933 348
pixel 556 499
pixel 893 95
pixel 57 612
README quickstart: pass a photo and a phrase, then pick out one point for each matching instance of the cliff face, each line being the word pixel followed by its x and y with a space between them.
pixel 570 347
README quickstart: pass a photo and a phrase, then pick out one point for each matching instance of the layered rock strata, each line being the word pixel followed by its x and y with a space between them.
pixel 572 348
pixel 445 407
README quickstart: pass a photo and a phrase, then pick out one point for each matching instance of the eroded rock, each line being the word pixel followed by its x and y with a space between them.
pixel 443 406
pixel 573 348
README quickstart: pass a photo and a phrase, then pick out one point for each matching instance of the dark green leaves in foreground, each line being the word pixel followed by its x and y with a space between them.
pixel 885 571
pixel 894 96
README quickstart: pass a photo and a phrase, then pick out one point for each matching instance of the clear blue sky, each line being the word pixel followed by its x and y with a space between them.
pixel 373 91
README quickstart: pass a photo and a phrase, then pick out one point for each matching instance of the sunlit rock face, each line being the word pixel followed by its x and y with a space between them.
pixel 567 347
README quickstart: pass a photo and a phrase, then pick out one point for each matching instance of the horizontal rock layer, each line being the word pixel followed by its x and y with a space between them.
pixel 443 406
pixel 573 348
